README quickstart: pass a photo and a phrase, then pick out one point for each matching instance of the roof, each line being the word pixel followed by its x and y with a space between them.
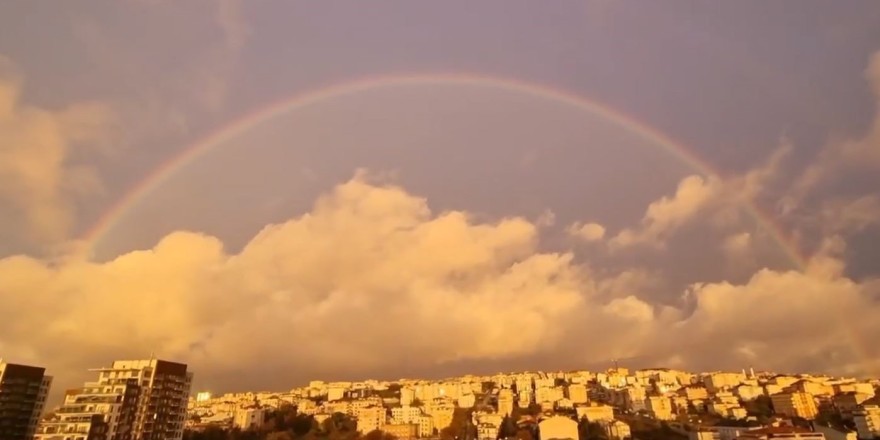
pixel 779 430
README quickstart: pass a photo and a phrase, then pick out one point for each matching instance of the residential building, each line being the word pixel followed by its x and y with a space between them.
pixel 577 393
pixel 694 392
pixel 466 400
pixel 731 432
pixel 403 431
pixel 867 420
pixel 505 402
pixel 595 412
pixel 781 432
pixel 749 392
pixel 848 402
pixel 250 417
pixel 616 430
pixel 659 407
pixel 370 418
pixel 335 393
pixel 441 411
pixel 722 381
pixel 136 400
pixel 426 425
pixel 407 395
pixel 487 431
pixel 834 434
pixel 704 434
pixel 796 404
pixel 558 428
pixel 405 414
pixel 23 391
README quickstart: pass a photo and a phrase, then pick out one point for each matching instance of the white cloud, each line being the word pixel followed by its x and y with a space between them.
pixel 665 215
pixel 587 231
pixel 370 278
pixel 38 179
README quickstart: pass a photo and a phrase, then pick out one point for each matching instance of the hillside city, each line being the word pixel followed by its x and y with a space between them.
pixel 152 400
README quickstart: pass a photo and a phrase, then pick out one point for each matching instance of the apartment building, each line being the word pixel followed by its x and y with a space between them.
pixel 867 420
pixel 795 404
pixel 23 391
pixel 781 433
pixel 131 400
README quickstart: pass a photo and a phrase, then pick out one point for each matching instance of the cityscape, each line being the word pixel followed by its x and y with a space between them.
pixel 152 400
pixel 439 220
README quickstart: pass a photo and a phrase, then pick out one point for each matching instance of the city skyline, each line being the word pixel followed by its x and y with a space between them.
pixel 298 190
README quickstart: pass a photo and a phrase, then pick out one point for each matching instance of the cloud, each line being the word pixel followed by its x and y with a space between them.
pixel 849 154
pixel 370 279
pixel 789 320
pixel 737 245
pixel 587 231
pixel 39 178
pixel 850 216
pixel 668 213
pixel 370 276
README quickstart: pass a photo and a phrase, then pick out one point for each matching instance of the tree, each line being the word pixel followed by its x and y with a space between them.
pixel 590 431
pixel 378 435
pixel 524 434
pixel 507 428
pixel 760 407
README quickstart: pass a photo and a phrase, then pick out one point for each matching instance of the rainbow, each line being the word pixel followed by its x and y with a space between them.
pixel 204 145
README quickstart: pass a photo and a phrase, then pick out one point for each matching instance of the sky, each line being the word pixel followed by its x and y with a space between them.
pixel 274 192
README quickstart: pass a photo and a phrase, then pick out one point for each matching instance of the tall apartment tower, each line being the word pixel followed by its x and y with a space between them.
pixel 131 400
pixel 23 391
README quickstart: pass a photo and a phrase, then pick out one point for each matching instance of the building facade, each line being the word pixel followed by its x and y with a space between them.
pixel 131 400
pixel 23 391
pixel 795 404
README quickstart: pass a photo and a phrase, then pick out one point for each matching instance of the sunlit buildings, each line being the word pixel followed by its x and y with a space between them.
pixel 558 428
pixel 867 420
pixel 795 404
pixel 23 391
pixel 137 400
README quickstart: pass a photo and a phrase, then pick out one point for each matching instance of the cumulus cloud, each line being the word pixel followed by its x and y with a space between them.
pixel 788 320
pixel 370 275
pixel 668 213
pixel 371 278
pixel 587 231
pixel 39 180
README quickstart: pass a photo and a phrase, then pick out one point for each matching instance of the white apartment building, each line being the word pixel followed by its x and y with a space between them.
pixel 466 400
pixel 426 425
pixel 405 414
pixel 577 393
pixel 505 402
pixel 370 419
pixel 250 417
pixel 137 400
pixel 659 407
pixel 558 428
pixel 335 393
pixel 595 412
